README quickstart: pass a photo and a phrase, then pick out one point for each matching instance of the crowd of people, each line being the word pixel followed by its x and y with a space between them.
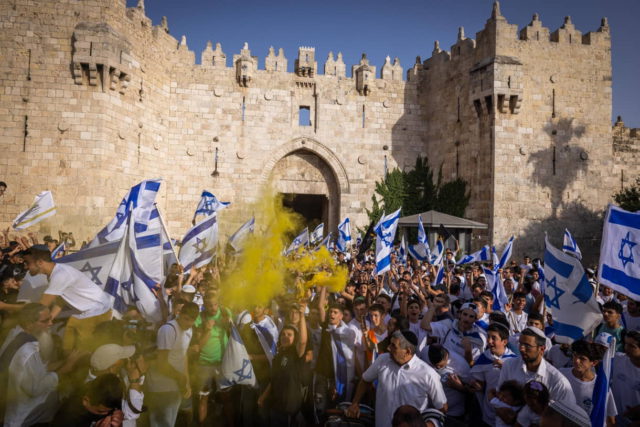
pixel 393 349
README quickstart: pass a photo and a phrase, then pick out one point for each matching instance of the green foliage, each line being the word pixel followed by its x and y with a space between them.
pixel 629 198
pixel 416 191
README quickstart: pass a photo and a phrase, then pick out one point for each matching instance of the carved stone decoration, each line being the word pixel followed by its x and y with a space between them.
pixel 103 55
pixel 218 92
pixel 362 159
pixel 386 103
pixel 63 127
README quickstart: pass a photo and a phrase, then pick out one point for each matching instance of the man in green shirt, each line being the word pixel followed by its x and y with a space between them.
pixel 212 326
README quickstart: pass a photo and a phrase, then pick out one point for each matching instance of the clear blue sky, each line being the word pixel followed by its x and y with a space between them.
pixel 402 28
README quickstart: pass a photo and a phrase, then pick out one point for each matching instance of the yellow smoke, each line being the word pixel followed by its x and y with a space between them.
pixel 261 272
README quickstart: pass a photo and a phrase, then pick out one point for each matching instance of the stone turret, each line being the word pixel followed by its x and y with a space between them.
pixel 246 66
pixel 335 67
pixel 364 74
pixel 306 65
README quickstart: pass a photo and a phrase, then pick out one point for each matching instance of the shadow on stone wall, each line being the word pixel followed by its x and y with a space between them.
pixel 584 224
pixel 558 166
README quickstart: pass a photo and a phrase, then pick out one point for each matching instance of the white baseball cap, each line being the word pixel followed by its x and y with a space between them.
pixel 107 355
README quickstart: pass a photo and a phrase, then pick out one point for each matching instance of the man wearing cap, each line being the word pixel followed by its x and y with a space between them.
pixel 462 336
pixel 531 365
pixel 403 379
pixel 70 286
pixel 110 359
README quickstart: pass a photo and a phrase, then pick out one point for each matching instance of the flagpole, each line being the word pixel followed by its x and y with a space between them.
pixel 164 227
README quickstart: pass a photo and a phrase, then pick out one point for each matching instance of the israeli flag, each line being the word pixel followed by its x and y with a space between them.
pixel 301 239
pixel 149 236
pixel 403 252
pixel 506 254
pixel 128 282
pixel 569 295
pixel 344 235
pixel 140 196
pixel 385 233
pixel 236 366
pixel 94 262
pixel 618 252
pixel 209 204
pixel 199 244
pixel 317 234
pixel 481 255
pixel 326 242
pixel 541 277
pixel 421 251
pixel 438 254
pixel 570 246
pixel 601 388
pixel 496 287
pixel 236 241
pixel 60 250
pixel 439 275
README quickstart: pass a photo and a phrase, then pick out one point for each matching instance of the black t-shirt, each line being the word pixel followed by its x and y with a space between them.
pixel 73 413
pixel 286 381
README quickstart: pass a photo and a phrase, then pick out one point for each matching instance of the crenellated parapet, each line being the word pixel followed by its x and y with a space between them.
pixel 391 71
pixel 275 62
pixel 335 67
pixel 306 65
pixel 245 65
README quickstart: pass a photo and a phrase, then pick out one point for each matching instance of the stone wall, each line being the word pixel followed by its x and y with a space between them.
pixel 95 97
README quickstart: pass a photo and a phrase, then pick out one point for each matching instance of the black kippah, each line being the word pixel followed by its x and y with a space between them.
pixel 410 336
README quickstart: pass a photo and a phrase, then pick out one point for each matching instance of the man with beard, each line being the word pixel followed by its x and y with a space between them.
pixel 30 386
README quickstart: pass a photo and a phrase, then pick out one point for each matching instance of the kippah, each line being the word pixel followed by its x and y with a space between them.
pixel 410 336
pixel 536 331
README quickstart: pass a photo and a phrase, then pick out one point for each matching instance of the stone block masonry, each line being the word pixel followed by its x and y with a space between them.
pixel 95 97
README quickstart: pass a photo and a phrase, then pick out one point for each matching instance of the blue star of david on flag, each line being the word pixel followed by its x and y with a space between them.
pixel 241 372
pixel 622 253
pixel 201 245
pixel 553 302
pixel 93 271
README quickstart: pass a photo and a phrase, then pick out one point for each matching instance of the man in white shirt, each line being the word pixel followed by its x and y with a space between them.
pixel 403 379
pixel 168 381
pixel 625 378
pixel 462 336
pixel 31 389
pixel 532 366
pixel 71 287
pixel 485 373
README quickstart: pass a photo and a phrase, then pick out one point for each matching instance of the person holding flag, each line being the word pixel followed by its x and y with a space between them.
pixel 70 286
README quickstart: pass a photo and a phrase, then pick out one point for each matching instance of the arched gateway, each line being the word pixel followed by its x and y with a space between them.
pixel 311 178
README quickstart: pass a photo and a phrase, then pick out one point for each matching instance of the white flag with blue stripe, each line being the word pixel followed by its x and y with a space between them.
pixel 620 253
pixel 421 251
pixel 483 254
pixel 496 287
pixel 209 204
pixel 385 233
pixel 128 282
pixel 200 243
pixel 301 239
pixel 570 246
pixel 237 239
pixel 402 252
pixel 140 196
pixel 42 207
pixel 326 242
pixel 601 387
pixel 317 234
pixel 506 254
pixel 236 366
pixel 438 254
pixel 344 235
pixel 568 295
